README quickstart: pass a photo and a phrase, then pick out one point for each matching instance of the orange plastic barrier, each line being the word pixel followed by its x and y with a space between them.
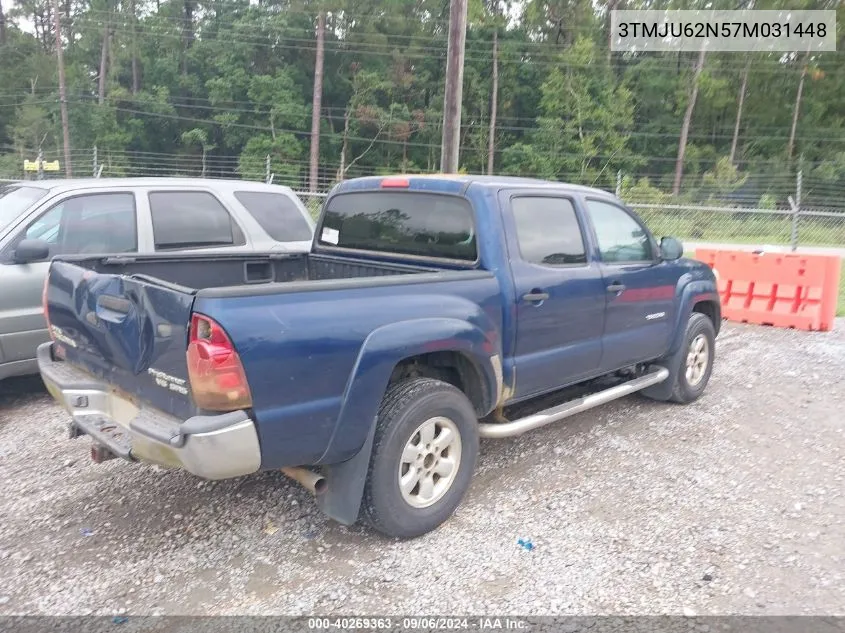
pixel 781 289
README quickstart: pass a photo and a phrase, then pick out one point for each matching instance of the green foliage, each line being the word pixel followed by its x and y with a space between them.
pixel 767 201
pixel 218 91
pixel 253 159
pixel 724 178
pixel 585 118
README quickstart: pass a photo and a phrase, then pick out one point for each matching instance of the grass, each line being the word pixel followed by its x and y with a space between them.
pixel 840 310
pixel 743 228
pixel 708 226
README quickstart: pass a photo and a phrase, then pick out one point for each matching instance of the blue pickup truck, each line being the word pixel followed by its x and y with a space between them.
pixel 427 311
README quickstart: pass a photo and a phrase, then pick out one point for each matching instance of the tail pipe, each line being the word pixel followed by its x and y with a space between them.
pixel 315 483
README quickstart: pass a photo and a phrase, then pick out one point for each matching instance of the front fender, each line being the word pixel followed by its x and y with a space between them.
pixel 692 293
pixel 389 345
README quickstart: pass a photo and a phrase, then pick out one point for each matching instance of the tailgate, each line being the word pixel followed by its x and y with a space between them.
pixel 130 331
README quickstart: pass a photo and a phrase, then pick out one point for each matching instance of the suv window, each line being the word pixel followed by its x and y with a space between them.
pixel 191 219
pixel 407 223
pixel 96 223
pixel 620 236
pixel 277 214
pixel 547 231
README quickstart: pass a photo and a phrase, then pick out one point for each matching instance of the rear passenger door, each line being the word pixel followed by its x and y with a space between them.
pixel 559 300
pixel 640 288
pixel 193 220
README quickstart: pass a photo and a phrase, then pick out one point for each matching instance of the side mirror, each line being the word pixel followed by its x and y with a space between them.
pixel 29 251
pixel 671 249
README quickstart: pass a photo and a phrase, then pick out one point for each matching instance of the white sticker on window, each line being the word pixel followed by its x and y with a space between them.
pixel 330 235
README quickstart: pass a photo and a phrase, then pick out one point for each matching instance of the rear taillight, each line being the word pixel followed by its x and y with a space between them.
pixel 218 381
pixel 44 306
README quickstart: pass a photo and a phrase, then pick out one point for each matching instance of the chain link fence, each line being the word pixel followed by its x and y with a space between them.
pixel 737 225
pixel 704 213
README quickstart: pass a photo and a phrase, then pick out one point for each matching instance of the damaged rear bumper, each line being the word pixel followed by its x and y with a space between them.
pixel 212 447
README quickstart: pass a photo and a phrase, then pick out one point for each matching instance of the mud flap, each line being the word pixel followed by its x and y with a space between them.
pixel 346 480
pixel 662 391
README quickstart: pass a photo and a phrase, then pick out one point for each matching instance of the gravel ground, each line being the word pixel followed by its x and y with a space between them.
pixel 731 505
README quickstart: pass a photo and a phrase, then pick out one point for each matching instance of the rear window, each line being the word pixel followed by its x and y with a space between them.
pixel 277 214
pixel 406 223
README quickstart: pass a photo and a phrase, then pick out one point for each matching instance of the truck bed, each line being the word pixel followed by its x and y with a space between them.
pixel 125 319
pixel 195 272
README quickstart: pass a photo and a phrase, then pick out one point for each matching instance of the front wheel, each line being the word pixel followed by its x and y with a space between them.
pixel 424 453
pixel 697 358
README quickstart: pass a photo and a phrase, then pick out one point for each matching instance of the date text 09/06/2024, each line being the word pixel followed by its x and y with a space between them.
pixel 416 623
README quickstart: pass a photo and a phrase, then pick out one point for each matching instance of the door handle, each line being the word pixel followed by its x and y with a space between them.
pixel 616 287
pixel 536 295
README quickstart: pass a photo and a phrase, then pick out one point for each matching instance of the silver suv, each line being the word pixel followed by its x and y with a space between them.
pixel 40 219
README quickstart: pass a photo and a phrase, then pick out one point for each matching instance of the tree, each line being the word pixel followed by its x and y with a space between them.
pixel 685 126
pixel 582 131
pixel 197 136
pixel 2 26
pixel 740 102
pixel 797 107
pixel 142 76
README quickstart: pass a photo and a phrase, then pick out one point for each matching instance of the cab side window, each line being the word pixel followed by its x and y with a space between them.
pixel 621 238
pixel 548 232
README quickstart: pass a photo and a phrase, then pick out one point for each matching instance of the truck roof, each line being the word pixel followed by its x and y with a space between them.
pixel 494 182
pixel 70 184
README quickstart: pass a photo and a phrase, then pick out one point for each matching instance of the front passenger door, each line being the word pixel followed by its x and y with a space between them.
pixel 640 288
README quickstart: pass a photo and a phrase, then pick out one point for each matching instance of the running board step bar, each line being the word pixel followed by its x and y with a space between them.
pixel 561 411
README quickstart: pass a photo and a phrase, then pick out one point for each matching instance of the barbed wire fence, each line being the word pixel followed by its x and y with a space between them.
pixel 764 209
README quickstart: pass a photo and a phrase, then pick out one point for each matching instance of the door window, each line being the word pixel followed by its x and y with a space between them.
pixel 620 236
pixel 547 231
pixel 191 219
pixel 96 223
pixel 46 227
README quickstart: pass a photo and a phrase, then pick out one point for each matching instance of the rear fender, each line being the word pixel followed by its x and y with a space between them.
pixel 348 454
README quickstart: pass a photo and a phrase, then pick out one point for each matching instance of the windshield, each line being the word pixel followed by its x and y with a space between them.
pixel 14 200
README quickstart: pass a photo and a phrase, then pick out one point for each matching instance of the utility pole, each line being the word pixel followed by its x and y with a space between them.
pixel 491 139
pixel 316 104
pixel 451 142
pixel 62 92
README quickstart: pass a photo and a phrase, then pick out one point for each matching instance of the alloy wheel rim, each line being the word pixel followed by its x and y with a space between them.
pixel 429 462
pixel 698 357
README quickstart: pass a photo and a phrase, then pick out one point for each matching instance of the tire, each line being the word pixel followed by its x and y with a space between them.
pixel 700 337
pixel 411 412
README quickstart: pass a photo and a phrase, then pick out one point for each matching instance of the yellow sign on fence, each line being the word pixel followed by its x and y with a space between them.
pixel 32 165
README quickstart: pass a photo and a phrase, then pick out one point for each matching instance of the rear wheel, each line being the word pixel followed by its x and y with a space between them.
pixel 424 454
